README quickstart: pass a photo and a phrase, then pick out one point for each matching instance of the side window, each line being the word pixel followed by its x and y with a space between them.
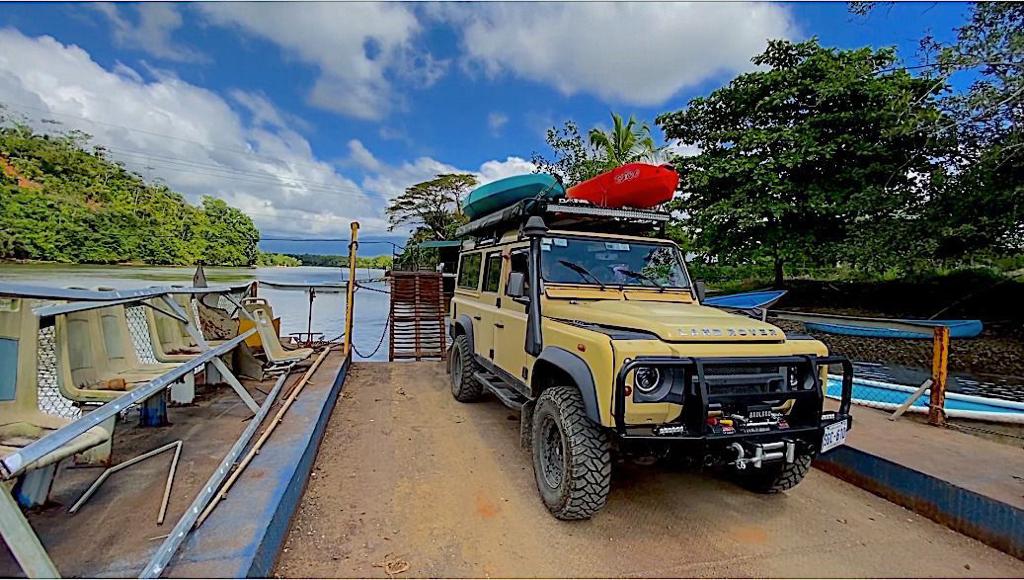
pixel 519 264
pixel 492 273
pixel 469 271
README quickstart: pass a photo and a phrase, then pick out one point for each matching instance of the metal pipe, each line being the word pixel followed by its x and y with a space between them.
pixel 174 539
pixel 222 493
pixel 14 463
pixel 167 488
pixel 23 541
pixel 114 469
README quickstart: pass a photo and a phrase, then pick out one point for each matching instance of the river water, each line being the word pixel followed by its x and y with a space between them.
pixel 291 305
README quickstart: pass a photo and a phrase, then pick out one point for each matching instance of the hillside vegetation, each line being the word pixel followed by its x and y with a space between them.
pixel 64 201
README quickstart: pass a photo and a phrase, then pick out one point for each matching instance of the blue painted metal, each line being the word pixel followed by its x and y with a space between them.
pixel 505 192
pixel 153 411
pixel 993 522
pixel 957 329
pixel 746 300
pixel 248 530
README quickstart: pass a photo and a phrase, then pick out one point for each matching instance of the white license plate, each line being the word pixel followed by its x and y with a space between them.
pixel 835 435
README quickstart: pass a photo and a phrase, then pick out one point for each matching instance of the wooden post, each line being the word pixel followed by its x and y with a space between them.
pixel 940 373
pixel 353 246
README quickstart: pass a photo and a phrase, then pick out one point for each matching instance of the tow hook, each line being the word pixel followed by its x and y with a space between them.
pixel 763 453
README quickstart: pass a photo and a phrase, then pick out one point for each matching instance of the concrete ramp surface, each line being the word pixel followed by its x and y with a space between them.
pixel 409 476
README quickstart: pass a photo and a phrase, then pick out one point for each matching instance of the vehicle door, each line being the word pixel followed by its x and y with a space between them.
pixel 510 320
pixel 467 301
pixel 490 303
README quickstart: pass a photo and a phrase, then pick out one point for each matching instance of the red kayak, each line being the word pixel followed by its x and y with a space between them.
pixel 638 185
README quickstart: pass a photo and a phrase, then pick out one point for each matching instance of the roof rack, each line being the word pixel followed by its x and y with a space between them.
pixel 567 215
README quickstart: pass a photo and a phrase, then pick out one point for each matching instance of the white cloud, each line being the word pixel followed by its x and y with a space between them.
pixel 634 53
pixel 359 48
pixel 496 122
pixel 151 32
pixel 187 135
pixel 389 181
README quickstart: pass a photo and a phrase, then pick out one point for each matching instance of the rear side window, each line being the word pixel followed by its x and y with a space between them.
pixel 469 271
pixel 492 273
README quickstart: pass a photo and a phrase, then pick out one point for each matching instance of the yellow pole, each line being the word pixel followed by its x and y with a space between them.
pixel 349 301
pixel 940 373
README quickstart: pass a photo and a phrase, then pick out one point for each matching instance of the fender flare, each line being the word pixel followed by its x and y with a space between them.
pixel 466 324
pixel 576 368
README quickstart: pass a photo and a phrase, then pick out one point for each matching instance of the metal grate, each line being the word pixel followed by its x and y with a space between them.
pixel 139 327
pixel 417 316
pixel 51 401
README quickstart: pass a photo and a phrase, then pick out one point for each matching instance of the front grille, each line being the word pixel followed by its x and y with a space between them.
pixel 718 370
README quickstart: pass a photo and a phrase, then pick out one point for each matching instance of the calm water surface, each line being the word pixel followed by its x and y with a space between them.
pixel 292 306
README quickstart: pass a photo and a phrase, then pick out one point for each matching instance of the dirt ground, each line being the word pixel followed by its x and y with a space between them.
pixel 406 474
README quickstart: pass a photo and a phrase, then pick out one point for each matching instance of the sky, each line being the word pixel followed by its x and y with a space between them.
pixel 310 115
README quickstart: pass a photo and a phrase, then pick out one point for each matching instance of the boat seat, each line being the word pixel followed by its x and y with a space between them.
pixel 93 366
pixel 165 336
pixel 252 303
pixel 21 422
pixel 276 354
pixel 119 350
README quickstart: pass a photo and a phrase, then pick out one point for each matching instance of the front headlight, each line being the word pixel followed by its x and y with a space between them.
pixel 646 379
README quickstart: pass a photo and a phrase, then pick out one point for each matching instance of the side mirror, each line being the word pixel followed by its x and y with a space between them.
pixel 516 285
pixel 700 289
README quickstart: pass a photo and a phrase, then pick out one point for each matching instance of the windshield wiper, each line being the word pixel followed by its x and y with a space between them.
pixel 641 276
pixel 583 272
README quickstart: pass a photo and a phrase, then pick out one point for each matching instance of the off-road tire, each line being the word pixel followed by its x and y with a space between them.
pixel 573 474
pixel 778 477
pixel 465 387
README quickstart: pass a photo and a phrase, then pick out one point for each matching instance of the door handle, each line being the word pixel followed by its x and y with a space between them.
pixel 476 318
pixel 499 325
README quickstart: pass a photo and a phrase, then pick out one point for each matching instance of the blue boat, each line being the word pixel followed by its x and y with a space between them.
pixel 957 328
pixel 746 300
pixel 889 396
pixel 505 192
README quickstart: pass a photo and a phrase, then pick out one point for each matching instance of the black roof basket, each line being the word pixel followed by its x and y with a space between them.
pixel 567 215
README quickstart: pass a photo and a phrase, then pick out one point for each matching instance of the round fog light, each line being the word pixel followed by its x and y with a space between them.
pixel 647 379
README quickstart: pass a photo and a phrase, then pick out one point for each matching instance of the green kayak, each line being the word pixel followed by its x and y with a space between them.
pixel 505 192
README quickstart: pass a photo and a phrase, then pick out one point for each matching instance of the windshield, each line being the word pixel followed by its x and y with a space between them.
pixel 612 263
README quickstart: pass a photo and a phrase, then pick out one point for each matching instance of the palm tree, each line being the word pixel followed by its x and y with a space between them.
pixel 627 142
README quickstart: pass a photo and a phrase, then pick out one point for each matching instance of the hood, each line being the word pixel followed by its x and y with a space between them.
pixel 671 321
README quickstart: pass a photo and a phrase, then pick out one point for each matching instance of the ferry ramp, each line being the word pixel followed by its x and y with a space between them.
pixel 407 475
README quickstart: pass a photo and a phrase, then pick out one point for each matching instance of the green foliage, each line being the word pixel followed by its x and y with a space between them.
pixel 375 262
pixel 61 202
pixel 981 206
pixel 435 205
pixel 627 142
pixel 815 154
pixel 573 159
pixel 576 160
pixel 271 259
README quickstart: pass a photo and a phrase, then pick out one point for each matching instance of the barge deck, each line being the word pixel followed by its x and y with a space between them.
pixel 407 475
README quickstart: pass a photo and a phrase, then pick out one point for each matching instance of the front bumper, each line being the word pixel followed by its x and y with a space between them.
pixel 805 421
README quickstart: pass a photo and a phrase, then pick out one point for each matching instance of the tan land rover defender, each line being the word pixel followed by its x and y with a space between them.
pixel 598 336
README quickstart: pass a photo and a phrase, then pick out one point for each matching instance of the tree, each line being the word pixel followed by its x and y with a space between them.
pixel 434 205
pixel 576 160
pixel 796 158
pixel 627 142
pixel 573 159
pixel 982 207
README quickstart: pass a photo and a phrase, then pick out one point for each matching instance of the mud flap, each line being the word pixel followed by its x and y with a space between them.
pixel 526 424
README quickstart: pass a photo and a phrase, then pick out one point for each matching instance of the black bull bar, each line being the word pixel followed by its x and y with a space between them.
pixel 697 396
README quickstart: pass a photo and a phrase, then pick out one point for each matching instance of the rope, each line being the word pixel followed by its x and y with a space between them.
pixel 387 323
pixel 361 287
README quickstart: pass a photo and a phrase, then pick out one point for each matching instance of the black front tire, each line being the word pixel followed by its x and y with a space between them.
pixel 465 387
pixel 571 456
pixel 778 477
